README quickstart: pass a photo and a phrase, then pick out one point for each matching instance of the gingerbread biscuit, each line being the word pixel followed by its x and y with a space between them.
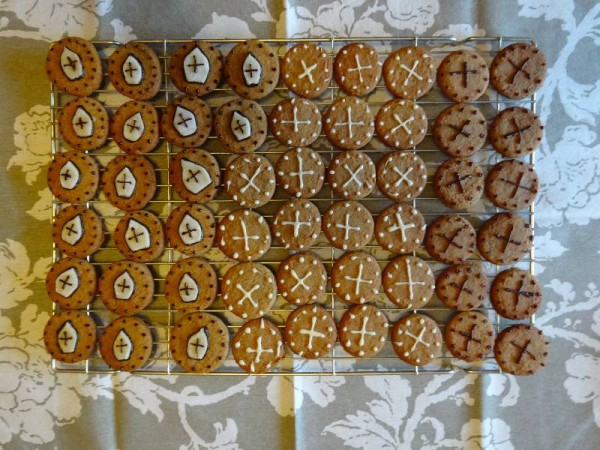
pixel 356 277
pixel 73 177
pixel 129 182
pixel 199 342
pixel 70 336
pixel 348 225
pixel 357 68
pixel 250 180
pixel 257 347
pixel 191 284
pixel 512 185
pixel 126 343
pixel 515 294
pixel 351 175
pixel 241 126
pixel 463 76
pixel 417 339
pixel 248 290
pixel 460 130
pixel 297 224
pixel 306 70
pixel 126 287
pixel 195 175
pixel 71 283
pixel 401 124
pixel 401 176
pixel 408 282
pixel 77 231
pixel 74 66
pixel 363 330
pixel 191 229
pixel 186 122
pixel 462 286
pixel 252 69
pixel 400 228
pixel 518 70
pixel 83 124
pixel 243 235
pixel 135 71
pixel 302 279
pixel 300 172
pixel 310 332
pixel 139 236
pixel 450 239
pixel 409 72
pixel 458 183
pixel 521 350
pixel 196 68
pixel 516 132
pixel 134 127
pixel 295 122
pixel 348 123
pixel 504 238
pixel 469 336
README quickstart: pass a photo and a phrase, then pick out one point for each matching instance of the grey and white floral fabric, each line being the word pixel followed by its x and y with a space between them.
pixel 559 408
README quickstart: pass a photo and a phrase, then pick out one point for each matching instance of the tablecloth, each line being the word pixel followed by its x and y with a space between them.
pixel 558 408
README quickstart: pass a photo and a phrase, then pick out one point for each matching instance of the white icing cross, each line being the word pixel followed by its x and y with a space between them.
pixel 418 339
pixel 359 279
pixel 410 283
pixel 301 172
pixel 259 350
pixel 358 68
pixel 411 72
pixel 401 226
pixel 353 175
pixel 402 124
pixel 296 122
pixel 247 294
pixel 349 122
pixel 296 223
pixel 403 177
pixel 245 236
pixel 250 180
pixel 300 281
pixel 347 227
pixel 363 331
pixel 312 333
pixel 307 71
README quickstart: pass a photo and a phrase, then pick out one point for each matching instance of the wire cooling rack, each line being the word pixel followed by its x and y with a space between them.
pixel 161 316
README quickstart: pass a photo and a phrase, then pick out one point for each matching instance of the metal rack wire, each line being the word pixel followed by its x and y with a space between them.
pixel 160 314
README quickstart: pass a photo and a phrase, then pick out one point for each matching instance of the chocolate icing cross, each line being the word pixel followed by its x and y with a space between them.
pixel 520 68
pixel 517 131
pixel 519 291
pixel 465 73
pixel 517 184
pixel 450 239
pixel 469 336
pixel 459 129
pixel 507 240
pixel 458 180
pixel 461 287
pixel 523 350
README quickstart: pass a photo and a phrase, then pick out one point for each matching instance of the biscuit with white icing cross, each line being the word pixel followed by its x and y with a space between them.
pixel 348 225
pixel 363 330
pixel 512 184
pixel 521 350
pixel 450 239
pixel 257 347
pixel 77 231
pixel 417 339
pixel 126 287
pixel 460 130
pixel 250 180
pixel 401 124
pixel 191 284
pixel 357 68
pixel 135 71
pixel 348 123
pixel 351 175
pixel 462 286
pixel 409 72
pixel 518 70
pixel 83 124
pixel 71 283
pixel 515 294
pixel 295 122
pixel 469 336
pixel 356 277
pixel 302 279
pixel 306 70
pixel 516 132
pixel 129 182
pixel 186 122
pixel 139 236
pixel 310 332
pixel 196 68
pixel 300 172
pixel 241 126
pixel 135 127
pixel 400 228
pixel 243 235
pixel 248 290
pixel 70 336
pixel 504 238
pixel 73 177
pixel 408 282
pixel 458 183
pixel 463 76
pixel 195 175
pixel 191 229
pixel 126 343
pixel 401 176
pixel 297 224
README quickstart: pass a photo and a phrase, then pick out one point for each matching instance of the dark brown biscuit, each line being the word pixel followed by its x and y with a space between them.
pixel 400 228
pixel 252 69
pixel 302 279
pixel 191 229
pixel 73 177
pixel 417 339
pixel 363 330
pixel 186 122
pixel 310 332
pixel 243 235
pixel 134 127
pixel 469 336
pixel 126 344
pixel 83 124
pixel 458 183
pixel 196 68
pixel 306 70
pixel 297 224
pixel 518 70
pixel 77 231
pixel 450 239
pixel 250 180
pixel 401 124
pixel 512 185
pixel 515 294
pixel 70 336
pixel 409 72
pixel 241 126
pixel 71 283
pixel 460 130
pixel 462 286
pixel 504 238
pixel 401 176
pixel 195 175
pixel 356 277
pixel 300 172
pixel 348 123
pixel 408 282
pixel 295 122
pixel 351 175
pixel 348 225
pixel 191 284
pixel 516 132
pixel 128 182
pixel 74 66
pixel 126 287
pixel 257 347
pixel 248 290
pixel 139 236
pixel 357 68
pixel 463 76
pixel 199 342
pixel 135 71
pixel 521 350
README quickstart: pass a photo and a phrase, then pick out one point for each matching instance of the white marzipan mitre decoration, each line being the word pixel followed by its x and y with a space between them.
pixel 67 282
pixel 71 64
pixel 67 338
pixel 195 177
pixel 137 236
pixel 72 231
pixel 69 175
pixel 122 346
pixel 188 289
pixel 196 66
pixel 240 126
pixel 184 121
pixel 252 70
pixel 133 129
pixel 190 230
pixel 132 71
pixel 125 183
pixel 197 344
pixel 124 286
pixel 82 122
